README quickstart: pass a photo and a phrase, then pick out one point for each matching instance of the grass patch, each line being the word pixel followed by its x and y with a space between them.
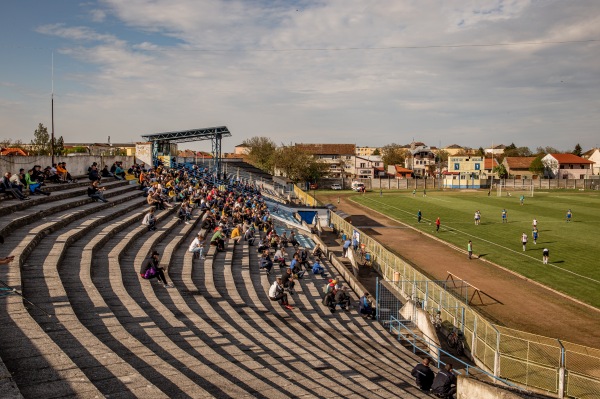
pixel 573 246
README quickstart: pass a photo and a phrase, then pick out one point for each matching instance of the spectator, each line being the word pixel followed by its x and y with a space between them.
pixel 423 375
pixel 292 240
pixel 218 240
pixel 295 267
pixel 318 269
pixel 150 220
pixel 38 175
pixel 105 172
pixel 347 244
pixel 197 246
pixel 18 181
pixel 249 236
pixel 366 309
pixel 32 185
pixel 266 262
pixel 284 240
pixel 95 192
pixel 7 187
pixel 288 281
pixel 317 251
pixel 342 298
pixel 185 213
pixel 329 300
pixel 276 293
pixel 150 269
pixel 93 174
pixel 262 245
pixel 444 384
pixel 119 172
pixel 236 235
pixel 65 176
pixel 50 174
pixel 279 257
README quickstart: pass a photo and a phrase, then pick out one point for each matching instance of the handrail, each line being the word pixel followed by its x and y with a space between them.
pixel 466 365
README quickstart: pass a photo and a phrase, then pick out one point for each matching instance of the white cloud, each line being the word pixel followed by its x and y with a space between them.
pixel 218 72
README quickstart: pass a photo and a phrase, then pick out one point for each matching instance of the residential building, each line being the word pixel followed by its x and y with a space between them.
pixel 594 156
pixel 465 171
pixel 340 157
pixel 399 172
pixel 421 160
pixel 567 166
pixel 367 167
pixel 366 151
pixel 453 149
pixel 241 149
pixel 518 167
pixel 495 150
pixel 105 148
pixel 489 165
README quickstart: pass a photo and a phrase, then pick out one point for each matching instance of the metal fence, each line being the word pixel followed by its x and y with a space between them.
pixel 535 362
pixel 304 197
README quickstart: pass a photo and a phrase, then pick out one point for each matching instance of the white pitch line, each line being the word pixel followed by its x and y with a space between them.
pixel 501 246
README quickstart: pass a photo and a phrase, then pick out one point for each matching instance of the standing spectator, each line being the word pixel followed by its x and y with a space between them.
pixel 95 192
pixel 424 193
pixel 504 216
pixel 423 375
pixel 347 244
pixel 437 224
pixel 470 249
pixel 276 293
pixel 150 220
pixel 444 383
pixel 545 256
pixel 365 307
pixel 524 241
pixel 569 215
pixel 7 187
pixel 150 269
pixel 197 246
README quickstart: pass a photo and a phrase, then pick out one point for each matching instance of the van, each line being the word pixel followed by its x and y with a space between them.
pixel 357 186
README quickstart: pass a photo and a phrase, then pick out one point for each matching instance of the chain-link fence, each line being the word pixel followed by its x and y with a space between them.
pixel 535 362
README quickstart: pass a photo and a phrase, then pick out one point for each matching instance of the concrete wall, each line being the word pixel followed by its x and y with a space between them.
pixel 469 388
pixel 76 165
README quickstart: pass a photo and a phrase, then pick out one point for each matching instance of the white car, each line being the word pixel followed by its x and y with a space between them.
pixel 336 187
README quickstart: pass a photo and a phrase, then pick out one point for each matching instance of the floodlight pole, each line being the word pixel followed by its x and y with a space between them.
pixel 52 112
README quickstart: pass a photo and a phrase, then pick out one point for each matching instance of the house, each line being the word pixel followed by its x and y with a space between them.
pixel 366 151
pixel 495 149
pixel 594 156
pixel 399 172
pixel 367 167
pixel 465 171
pixel 567 166
pixel 518 167
pixel 421 160
pixel 241 149
pixel 453 149
pixel 340 157
pixel 489 164
pixel 12 152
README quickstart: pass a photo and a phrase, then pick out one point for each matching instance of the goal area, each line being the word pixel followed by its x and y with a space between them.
pixel 526 189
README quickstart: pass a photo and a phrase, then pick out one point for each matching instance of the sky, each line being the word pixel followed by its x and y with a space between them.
pixel 368 72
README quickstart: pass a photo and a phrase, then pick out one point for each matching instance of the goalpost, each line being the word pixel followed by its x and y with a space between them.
pixel 515 189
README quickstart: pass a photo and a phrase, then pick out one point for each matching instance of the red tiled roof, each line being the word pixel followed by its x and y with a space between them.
pixel 13 151
pixel 327 149
pixel 490 163
pixel 400 169
pixel 570 158
pixel 519 162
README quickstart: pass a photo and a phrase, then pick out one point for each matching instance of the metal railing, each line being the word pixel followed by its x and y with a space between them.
pixel 555 367
pixel 305 197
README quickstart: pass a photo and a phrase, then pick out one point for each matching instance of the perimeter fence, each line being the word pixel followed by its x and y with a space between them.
pixel 556 367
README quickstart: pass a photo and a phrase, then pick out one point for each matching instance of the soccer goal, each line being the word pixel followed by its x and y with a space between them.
pixel 526 189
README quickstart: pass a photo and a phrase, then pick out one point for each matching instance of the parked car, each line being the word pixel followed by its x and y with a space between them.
pixel 336 187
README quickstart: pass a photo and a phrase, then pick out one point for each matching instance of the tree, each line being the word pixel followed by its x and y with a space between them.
pixel 298 165
pixel 441 156
pixel 537 166
pixel 480 152
pixel 393 154
pixel 59 146
pixel 501 171
pixel 577 151
pixel 546 150
pixel 376 152
pixel 514 151
pixel 41 141
pixel 261 152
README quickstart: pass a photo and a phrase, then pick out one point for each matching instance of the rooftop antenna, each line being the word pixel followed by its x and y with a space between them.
pixel 52 111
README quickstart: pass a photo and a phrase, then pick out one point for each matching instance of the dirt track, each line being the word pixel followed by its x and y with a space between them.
pixel 513 301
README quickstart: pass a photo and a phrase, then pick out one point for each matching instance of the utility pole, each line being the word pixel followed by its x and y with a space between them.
pixel 52 112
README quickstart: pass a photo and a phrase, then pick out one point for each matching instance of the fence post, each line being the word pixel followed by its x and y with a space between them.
pixel 474 338
pixel 377 298
pixel 497 354
pixel 562 372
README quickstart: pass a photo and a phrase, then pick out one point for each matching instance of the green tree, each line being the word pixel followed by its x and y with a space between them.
pixel 393 154
pixel 577 151
pixel 41 141
pixel 441 156
pixel 537 166
pixel 59 146
pixel 480 152
pixel 376 152
pixel 501 171
pixel 261 152
pixel 546 150
pixel 298 165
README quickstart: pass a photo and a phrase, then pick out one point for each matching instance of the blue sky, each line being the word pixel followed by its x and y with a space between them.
pixel 351 71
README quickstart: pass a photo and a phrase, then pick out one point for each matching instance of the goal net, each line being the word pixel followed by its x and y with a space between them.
pixel 526 189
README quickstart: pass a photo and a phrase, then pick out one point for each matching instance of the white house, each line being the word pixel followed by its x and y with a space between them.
pixel 420 159
pixel 367 167
pixel 567 166
pixel 594 156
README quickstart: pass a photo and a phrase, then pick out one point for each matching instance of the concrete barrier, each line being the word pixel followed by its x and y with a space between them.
pixel 469 388
pixel 77 165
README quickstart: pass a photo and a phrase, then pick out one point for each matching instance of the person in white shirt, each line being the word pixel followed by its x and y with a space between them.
pixel 150 220
pixel 197 246
pixel 276 293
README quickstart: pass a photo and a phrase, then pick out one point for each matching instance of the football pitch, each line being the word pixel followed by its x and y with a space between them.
pixel 574 265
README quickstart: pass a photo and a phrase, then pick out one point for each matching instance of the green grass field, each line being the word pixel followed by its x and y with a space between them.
pixel 574 248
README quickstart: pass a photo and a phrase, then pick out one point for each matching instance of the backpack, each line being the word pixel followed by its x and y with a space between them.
pixel 150 272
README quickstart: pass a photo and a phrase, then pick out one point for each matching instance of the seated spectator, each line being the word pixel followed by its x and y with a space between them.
pixel 154 200
pixel 331 286
pixel 150 220
pixel 185 213
pixel 218 240
pixel 119 172
pixel 38 175
pixel 50 175
pixel 150 269
pixel 423 375
pixel 292 240
pixel 276 293
pixel 365 308
pixel 95 192
pixel 63 173
pixel 32 185
pixel 279 257
pixel 295 267
pixel 93 174
pixel 236 235
pixel 317 251
pixel 444 383
pixel 18 180
pixel 304 259
pixel 342 298
pixel 7 187
pixel 288 281
pixel 262 245
pixel 266 262
pixel 318 269
pixel 197 246
pixel 249 236
pixel 329 300
pixel 284 240
pixel 105 172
